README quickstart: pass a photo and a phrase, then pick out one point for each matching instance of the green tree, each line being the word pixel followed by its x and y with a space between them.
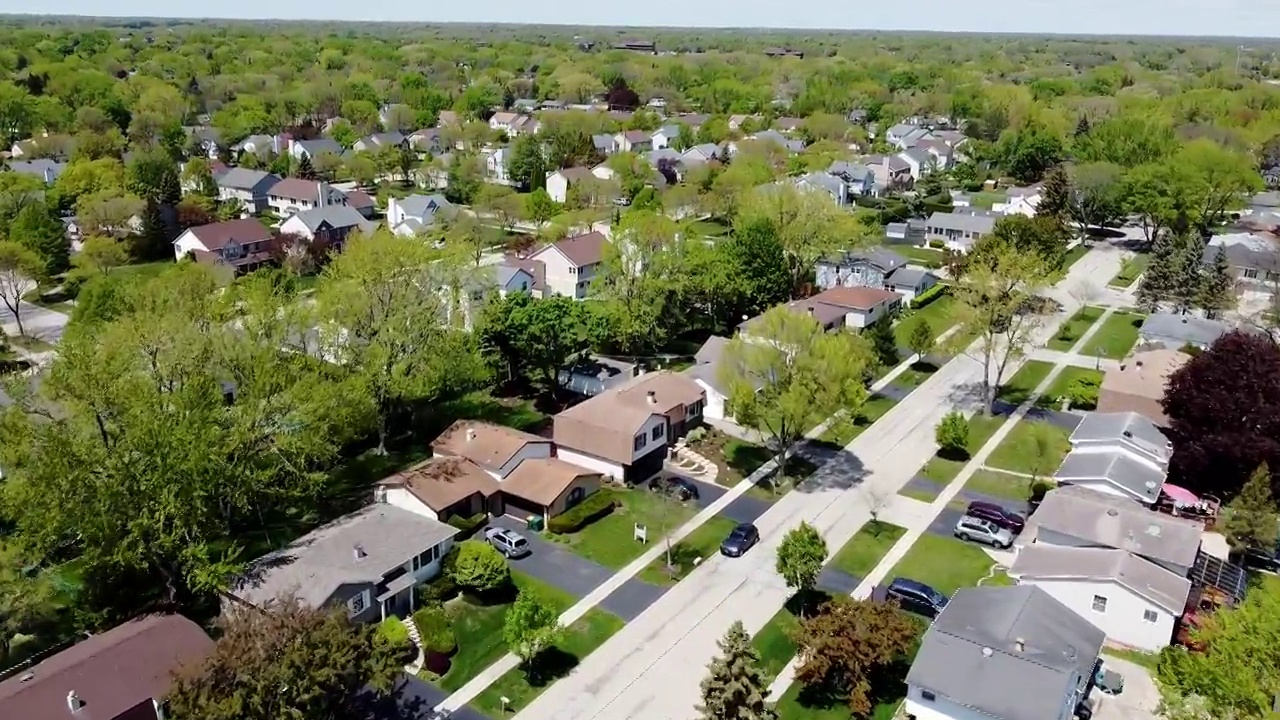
pixel 360 167
pixel 480 568
pixel 1041 237
pixel 531 626
pixel 27 605
pixel 801 555
pixel 843 647
pixel 735 687
pixel 1028 152
pixel 920 339
pixel 884 343
pixel 1250 520
pixel 528 166
pixel 289 661
pixel 1057 197
pixel 537 337
pixel 1127 140
pixel 808 225
pixel 952 434
pixel 785 374
pixel 20 271
pixel 1217 287
pixel 1154 192
pixel 153 175
pixel 199 177
pixel 1219 180
pixel 759 267
pixel 1160 279
pixel 1098 198
pixel 37 228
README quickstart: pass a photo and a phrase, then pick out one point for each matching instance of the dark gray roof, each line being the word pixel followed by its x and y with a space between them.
pixel 908 277
pixel 963 222
pixel 338 216
pixel 1245 250
pixel 1105 520
pixel 43 168
pixel 1176 330
pixel 1013 653
pixel 424 206
pixel 881 257
pixel 824 181
pixel 1123 429
pixel 319 145
pixel 238 178
pixel 604 143
pixel 384 139
pixel 1114 467
pixel 854 172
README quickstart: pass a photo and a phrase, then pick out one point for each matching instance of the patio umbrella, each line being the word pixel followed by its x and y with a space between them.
pixel 1180 495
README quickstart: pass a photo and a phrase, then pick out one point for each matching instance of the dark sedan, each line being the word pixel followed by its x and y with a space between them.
pixel 1011 521
pixel 676 487
pixel 740 540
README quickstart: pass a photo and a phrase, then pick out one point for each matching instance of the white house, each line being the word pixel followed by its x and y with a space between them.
pixel 309 149
pixel 1135 602
pixel 636 141
pixel 706 372
pixel 559 182
pixel 414 214
pixel 378 141
pixel 247 187
pixel 497 166
pixel 1021 201
pixel 570 264
pixel 1122 454
pixel 294 195
pixel 959 230
pixel 665 136
pixel 330 225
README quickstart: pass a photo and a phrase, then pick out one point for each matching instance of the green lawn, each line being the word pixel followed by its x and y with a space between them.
pixel 940 314
pixel 915 374
pixel 1074 327
pixel 1074 255
pixel 1065 379
pixel 478 629
pixel 843 432
pixel 944 470
pixel 523 685
pixel 1021 450
pixel 866 548
pixel 610 541
pixel 1116 337
pixel 708 228
pixel 773 642
pixel 888 689
pixel 1129 272
pixel 699 544
pixel 1147 660
pixel 1019 388
pixel 986 199
pixel 927 257
pixel 1001 485
pixel 944 563
pixel 143 271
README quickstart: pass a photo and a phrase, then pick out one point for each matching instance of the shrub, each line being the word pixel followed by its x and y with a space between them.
pixel 480 568
pixel 1083 393
pixel 436 630
pixel 468 526
pixel 1039 488
pixel 696 435
pixel 952 434
pixel 597 505
pixel 930 295
pixel 392 634
pixel 937 244
pixel 441 589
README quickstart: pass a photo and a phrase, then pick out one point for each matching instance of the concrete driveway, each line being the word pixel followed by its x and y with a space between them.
pixel 40 323
pixel 1140 699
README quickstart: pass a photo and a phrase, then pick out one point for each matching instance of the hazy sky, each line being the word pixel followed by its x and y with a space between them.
pixel 1249 18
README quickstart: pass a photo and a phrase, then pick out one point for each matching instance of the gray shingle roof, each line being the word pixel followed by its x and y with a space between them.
pixel 338 216
pixel 824 181
pixel 1112 521
pixel 1245 250
pixel 1040 561
pixel 1115 467
pixel 319 145
pixel 44 168
pixel 907 277
pixel 238 178
pixel 318 563
pixel 962 222
pixel 881 257
pixel 1177 330
pixel 424 206
pixel 971 654
pixel 1123 429
pixel 854 172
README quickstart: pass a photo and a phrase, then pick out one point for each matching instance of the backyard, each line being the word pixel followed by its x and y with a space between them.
pixel 1116 337
pixel 945 564
pixel 1129 272
pixel 1032 447
pixel 687 554
pixel 927 257
pixel 1074 328
pixel 610 541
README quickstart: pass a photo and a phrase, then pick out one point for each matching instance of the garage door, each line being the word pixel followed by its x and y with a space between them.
pixel 520 508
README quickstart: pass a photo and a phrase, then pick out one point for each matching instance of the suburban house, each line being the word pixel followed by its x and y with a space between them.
pixel 369 561
pixel 309 149
pixel 839 307
pixel 958 231
pixel 665 136
pixel 260 145
pixel 825 183
pixel 859 179
pixel 910 232
pixel 706 372
pixel 329 226
pixel 415 214
pixel 293 195
pixel 121 674
pixel 890 171
pixel 55 146
pixel 513 124
pixel 559 182
pixel 512 271
pixel 1003 653
pixel 1021 201
pixel 604 144
pixel 1078 517
pixel 636 141
pixel 875 268
pixel 1122 454
pixel 1176 331
pixel 426 140
pixel 791 145
pixel 208 139
pixel 1135 602
pixel 1254 258
pixel 497 165
pixel 624 432
pixel 1137 385
pixel 248 187
pixel 919 161
pixel 701 154
pixel 243 245
pixel 378 141
pixel 45 169
pixel 593 374
pixel 570 264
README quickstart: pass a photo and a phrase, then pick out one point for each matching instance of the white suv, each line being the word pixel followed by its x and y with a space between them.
pixel 508 543
pixel 983 531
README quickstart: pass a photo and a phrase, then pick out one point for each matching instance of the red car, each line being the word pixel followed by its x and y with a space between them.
pixel 1011 521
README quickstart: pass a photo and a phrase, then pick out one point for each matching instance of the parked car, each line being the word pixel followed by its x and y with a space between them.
pixel 510 544
pixel 991 512
pixel 676 487
pixel 983 531
pixel 740 540
pixel 1108 681
pixel 1263 559
pixel 915 597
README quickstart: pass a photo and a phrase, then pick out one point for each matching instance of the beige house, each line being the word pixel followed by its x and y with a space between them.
pixel 1138 384
pixel 568 266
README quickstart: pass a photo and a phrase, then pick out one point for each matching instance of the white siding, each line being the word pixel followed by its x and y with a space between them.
pixel 559 276
pixel 405 500
pixel 860 319
pixel 186 243
pixel 1122 620
pixel 941 708
pixel 528 452
pixel 591 462
pixel 395 213
pixel 714 408
pixel 295 226
pixel 653 422
pixel 558 187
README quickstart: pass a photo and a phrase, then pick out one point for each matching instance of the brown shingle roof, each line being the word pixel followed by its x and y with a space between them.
pixel 216 236
pixel 485 444
pixel 542 480
pixel 583 250
pixel 854 298
pixel 1145 374
pixel 605 425
pixel 441 482
pixel 296 189
pixel 359 199
pixel 112 673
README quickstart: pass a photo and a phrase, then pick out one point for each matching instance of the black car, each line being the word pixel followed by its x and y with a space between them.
pixel 1264 559
pixel 916 597
pixel 740 540
pixel 676 487
pixel 1011 521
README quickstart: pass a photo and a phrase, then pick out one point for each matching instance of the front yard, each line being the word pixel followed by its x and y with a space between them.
pixel 1075 327
pixel 1116 337
pixel 1129 272
pixel 610 541
pixel 1077 385
pixel 735 459
pixel 940 314
pixel 1019 388
pixel 688 553
pixel 1033 447
pixel 942 470
pixel 944 563
pixel 867 547
pixel 1001 485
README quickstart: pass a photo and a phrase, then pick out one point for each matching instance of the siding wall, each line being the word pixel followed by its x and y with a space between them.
pixel 1122 620
pixel 591 462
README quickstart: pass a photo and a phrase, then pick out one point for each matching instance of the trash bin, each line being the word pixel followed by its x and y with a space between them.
pixel 534 523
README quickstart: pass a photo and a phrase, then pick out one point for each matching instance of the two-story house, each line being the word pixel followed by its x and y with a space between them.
pixel 328 226
pixel 293 195
pixel 243 245
pixel 876 267
pixel 665 136
pixel 624 432
pixel 497 165
pixel 1020 201
pixel 368 562
pixel 858 178
pixel 570 264
pixel 513 124
pixel 840 307
pixel 1003 653
pixel 311 149
pixel 826 185
pixel 247 187
pixel 416 214
pixel 427 140
pixel 1122 454
pixel 560 181
pixel 378 141
pixel 43 168
pixel 958 231
pixel 636 141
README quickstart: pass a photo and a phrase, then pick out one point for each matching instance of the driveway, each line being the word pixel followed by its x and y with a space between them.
pixel 1061 418
pixel 414 699
pixel 40 323
pixel 1140 699
pixel 746 509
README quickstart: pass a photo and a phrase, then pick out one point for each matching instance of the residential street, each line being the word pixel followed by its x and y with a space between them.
pixel 651 670
pixel 40 323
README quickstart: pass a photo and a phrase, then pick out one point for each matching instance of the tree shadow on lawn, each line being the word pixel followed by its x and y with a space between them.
pixel 805 603
pixel 548 666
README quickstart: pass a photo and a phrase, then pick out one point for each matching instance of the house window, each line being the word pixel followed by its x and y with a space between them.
pixel 928 695
pixel 657 432
pixel 696 408
pixel 573 270
pixel 640 442
pixel 575 497
pixel 1099 604
pixel 1250 273
pixel 356 604
pixel 417 564
pixel 1150 616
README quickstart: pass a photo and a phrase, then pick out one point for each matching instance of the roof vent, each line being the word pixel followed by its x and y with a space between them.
pixel 27 677
pixel 74 703
pixel 1127 433
pixel 359 552
pixel 986 652
pixel 1020 644
pixel 1151 485
pixel 471 434
pixel 653 397
pixel 1153 530
pixel 1113 512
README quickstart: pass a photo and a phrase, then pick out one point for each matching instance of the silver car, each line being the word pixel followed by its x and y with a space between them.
pixel 510 544
pixel 983 531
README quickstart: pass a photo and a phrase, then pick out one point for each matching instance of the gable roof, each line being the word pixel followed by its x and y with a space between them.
pixel 383 139
pixel 1007 652
pixel 239 178
pixel 1165 589
pixel 910 277
pixel 337 216
pixel 823 181
pixel 485 444
pixel 581 250
pixel 1115 467
pixel 1260 251
pixel 1183 329
pixel 319 563
pixel 43 168
pixel 319 145
pixel 879 256
pixel 1124 429
pixel 963 222
pixel 216 236
pixel 1145 373
pixel 1112 521
pixel 574 174
pixel 111 672
pixel 853 298
pixel 423 206
pixel 293 188
pixel 636 136
pixel 605 425
pixel 439 482
pixel 542 480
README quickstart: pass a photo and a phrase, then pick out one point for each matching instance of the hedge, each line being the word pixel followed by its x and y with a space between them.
pixel 468 526
pixel 937 244
pixel 929 296
pixel 596 506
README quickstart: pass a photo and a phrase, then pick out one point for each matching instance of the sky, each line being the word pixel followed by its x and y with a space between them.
pixel 1231 18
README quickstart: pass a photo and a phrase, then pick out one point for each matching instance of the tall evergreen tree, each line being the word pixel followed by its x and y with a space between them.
pixel 1188 271
pixel 735 688
pixel 1055 200
pixel 1251 521
pixel 306 170
pixel 37 228
pixel 1217 287
pixel 1161 277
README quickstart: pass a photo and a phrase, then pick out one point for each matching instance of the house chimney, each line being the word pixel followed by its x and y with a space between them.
pixel 322 192
pixel 74 703
pixel 358 551
pixel 1020 645
pixel 471 434
pixel 653 397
